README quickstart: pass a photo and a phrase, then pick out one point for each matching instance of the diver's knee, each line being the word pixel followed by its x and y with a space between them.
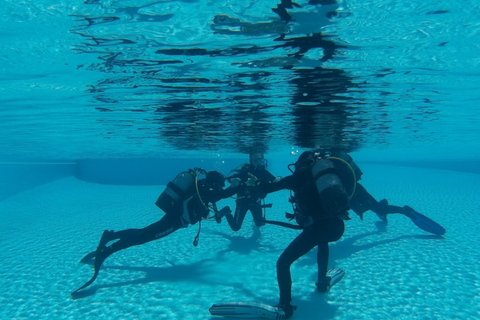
pixel 236 228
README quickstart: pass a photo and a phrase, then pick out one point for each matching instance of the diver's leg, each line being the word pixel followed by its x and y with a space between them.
pixel 134 237
pixel 301 245
pixel 257 214
pixel 363 201
pixel 322 264
pixel 130 237
pixel 235 221
pixel 330 231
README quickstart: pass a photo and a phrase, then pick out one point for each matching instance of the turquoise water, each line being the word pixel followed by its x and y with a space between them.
pixel 106 79
pixel 102 102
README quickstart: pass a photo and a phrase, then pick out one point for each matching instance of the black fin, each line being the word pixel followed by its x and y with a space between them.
pixel 100 254
pixel 89 258
pixel 89 282
pixel 424 222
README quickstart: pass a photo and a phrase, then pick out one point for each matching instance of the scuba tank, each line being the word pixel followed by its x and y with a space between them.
pixel 177 191
pixel 181 192
pixel 331 191
pixel 335 176
pixel 348 171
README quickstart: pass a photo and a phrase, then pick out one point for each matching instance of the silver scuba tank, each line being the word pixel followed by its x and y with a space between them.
pixel 178 190
pixel 332 194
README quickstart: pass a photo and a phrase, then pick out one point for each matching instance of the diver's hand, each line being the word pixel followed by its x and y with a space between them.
pixel 235 182
pixel 252 180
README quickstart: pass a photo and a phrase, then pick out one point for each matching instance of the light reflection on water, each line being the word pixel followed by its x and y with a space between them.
pixel 103 79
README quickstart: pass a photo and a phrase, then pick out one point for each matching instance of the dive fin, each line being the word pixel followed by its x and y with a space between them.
pixel 89 258
pixel 250 310
pixel 89 282
pixel 424 222
pixel 100 254
pixel 334 276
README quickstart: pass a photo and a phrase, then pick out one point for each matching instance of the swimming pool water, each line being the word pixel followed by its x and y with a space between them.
pixel 106 79
pixel 101 101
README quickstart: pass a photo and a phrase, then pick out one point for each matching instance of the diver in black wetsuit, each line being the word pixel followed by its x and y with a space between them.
pixel 179 215
pixel 321 219
pixel 250 197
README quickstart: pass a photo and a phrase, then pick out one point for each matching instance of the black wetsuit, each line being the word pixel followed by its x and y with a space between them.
pixel 171 221
pixel 319 233
pixel 363 201
pixel 249 198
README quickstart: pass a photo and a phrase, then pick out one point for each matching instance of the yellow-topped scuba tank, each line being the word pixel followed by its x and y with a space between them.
pixel 177 191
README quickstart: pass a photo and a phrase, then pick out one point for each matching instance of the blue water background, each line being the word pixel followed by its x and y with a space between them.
pixel 103 102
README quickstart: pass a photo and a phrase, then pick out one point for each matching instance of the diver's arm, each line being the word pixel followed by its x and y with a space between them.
pixel 210 195
pixel 267 176
pixel 276 185
pixel 228 192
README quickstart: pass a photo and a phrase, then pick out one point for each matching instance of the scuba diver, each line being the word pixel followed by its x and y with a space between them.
pixel 185 201
pixel 320 204
pixel 250 197
pixel 325 187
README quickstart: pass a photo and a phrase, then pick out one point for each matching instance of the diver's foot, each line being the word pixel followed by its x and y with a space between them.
pixel 107 236
pixel 323 287
pixel 287 311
